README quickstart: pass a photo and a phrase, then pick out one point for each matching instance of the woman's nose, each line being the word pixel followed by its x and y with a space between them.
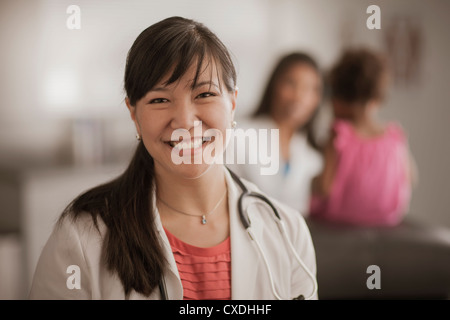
pixel 183 115
pixel 299 94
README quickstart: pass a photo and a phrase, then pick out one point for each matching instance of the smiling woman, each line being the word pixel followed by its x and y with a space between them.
pixel 198 95
pixel 165 230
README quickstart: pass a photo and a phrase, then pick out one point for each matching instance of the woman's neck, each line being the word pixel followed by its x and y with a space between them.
pixel 285 134
pixel 196 196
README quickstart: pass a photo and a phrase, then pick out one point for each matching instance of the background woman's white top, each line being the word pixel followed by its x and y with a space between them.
pixel 292 183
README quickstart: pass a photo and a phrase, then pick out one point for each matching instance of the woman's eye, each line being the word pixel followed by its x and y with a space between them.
pixel 158 100
pixel 206 95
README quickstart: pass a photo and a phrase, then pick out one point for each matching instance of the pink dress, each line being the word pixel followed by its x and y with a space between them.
pixel 370 185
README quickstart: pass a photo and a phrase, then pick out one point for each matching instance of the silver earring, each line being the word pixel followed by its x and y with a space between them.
pixel 233 124
pixel 138 137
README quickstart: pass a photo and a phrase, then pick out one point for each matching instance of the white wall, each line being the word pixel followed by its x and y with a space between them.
pixel 36 46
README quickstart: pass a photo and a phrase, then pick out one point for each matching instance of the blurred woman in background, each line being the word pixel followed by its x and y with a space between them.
pixel 368 171
pixel 289 104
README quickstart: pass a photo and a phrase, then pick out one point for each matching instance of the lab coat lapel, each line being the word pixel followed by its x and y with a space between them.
pixel 244 258
pixel 171 276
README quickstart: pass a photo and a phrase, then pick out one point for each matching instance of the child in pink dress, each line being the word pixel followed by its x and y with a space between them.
pixel 367 175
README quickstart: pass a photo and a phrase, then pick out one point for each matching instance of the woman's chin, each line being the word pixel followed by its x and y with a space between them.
pixel 189 171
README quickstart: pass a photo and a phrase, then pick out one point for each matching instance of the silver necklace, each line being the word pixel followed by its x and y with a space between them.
pixel 203 216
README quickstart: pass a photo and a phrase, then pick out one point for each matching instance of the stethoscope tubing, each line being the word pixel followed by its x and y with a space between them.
pixel 247 225
pixel 281 226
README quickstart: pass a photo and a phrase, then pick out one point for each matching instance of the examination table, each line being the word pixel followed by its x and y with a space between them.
pixel 413 260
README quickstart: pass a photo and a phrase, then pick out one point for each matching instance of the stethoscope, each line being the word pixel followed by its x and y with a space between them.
pixel 248 228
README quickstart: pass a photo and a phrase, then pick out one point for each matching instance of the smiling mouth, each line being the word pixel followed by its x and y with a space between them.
pixel 188 145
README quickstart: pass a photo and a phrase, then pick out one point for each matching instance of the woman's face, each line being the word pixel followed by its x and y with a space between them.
pixel 296 95
pixel 166 108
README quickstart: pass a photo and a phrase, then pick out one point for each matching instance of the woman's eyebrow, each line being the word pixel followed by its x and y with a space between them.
pixel 202 83
pixel 159 89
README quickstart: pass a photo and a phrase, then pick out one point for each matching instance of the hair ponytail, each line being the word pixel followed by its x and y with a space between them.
pixel 132 248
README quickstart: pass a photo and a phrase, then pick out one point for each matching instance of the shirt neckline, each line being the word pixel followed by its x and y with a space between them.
pixel 184 247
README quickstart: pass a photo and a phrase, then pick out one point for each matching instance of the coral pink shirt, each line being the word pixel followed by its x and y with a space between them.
pixel 205 272
pixel 370 185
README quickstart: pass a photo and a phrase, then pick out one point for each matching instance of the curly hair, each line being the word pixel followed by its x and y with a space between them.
pixel 359 76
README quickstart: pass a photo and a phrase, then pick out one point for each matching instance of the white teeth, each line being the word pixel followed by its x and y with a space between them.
pixel 193 144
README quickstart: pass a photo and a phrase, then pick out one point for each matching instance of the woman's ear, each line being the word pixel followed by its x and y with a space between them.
pixel 234 100
pixel 132 110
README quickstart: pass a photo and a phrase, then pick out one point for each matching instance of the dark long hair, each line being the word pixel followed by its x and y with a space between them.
pixel 132 247
pixel 359 76
pixel 284 64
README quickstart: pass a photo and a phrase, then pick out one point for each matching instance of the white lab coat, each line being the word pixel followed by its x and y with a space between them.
pixel 79 243
pixel 293 187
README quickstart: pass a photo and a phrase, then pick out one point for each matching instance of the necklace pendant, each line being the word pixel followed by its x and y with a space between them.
pixel 203 219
